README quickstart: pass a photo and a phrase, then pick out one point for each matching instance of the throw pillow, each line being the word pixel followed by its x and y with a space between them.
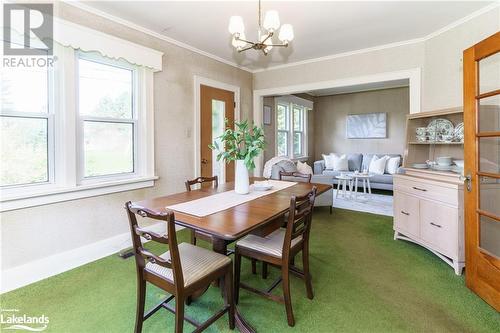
pixel 304 168
pixel 377 165
pixel 287 166
pixel 392 165
pixel 328 161
pixel 340 163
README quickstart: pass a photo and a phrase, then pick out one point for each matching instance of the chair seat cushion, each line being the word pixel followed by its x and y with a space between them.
pixel 272 244
pixel 196 263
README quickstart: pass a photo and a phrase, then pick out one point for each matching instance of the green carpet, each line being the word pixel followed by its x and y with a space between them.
pixel 363 281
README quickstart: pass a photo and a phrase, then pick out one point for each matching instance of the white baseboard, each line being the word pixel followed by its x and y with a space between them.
pixel 31 272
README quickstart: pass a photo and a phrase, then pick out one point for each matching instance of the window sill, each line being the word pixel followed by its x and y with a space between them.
pixel 54 195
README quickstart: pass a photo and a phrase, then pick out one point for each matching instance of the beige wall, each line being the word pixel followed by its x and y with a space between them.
pixel 440 59
pixel 330 116
pixel 34 233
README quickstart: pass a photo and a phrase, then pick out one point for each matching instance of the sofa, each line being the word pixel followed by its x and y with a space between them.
pixel 356 161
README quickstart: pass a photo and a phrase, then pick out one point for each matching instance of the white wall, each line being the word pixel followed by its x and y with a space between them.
pixel 38 235
pixel 439 58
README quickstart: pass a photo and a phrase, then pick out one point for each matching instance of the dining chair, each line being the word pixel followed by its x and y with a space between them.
pixel 278 249
pixel 181 271
pixel 189 184
pixel 295 176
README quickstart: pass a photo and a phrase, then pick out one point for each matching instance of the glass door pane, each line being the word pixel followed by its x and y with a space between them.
pixel 490 235
pixel 218 115
pixel 489 155
pixel 489 114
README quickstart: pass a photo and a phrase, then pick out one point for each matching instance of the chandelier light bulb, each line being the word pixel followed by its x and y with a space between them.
pixel 236 25
pixel 271 20
pixel 286 33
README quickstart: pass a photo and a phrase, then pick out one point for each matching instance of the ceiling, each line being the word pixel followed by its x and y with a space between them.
pixel 321 28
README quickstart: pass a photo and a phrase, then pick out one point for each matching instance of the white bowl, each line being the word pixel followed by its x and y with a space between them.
pixel 444 160
pixel 459 163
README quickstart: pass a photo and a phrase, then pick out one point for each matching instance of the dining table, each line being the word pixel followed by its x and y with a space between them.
pixel 259 216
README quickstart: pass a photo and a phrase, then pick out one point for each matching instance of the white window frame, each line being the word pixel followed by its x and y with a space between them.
pixel 286 131
pixel 290 103
pixel 83 118
pixel 66 147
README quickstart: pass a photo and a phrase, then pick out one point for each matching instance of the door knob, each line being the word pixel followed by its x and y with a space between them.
pixel 468 181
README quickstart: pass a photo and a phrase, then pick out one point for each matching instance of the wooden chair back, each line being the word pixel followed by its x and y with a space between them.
pixel 299 219
pixel 142 256
pixel 202 180
pixel 296 176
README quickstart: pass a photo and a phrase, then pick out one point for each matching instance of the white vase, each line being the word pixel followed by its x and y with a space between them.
pixel 241 182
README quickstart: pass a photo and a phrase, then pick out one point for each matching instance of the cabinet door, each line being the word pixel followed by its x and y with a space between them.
pixel 439 227
pixel 406 213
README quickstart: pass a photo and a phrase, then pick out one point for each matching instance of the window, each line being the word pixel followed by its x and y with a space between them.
pixel 283 123
pixel 107 117
pixel 291 134
pixel 78 129
pixel 26 126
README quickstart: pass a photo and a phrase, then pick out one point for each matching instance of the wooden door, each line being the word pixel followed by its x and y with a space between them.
pixel 216 105
pixel 482 166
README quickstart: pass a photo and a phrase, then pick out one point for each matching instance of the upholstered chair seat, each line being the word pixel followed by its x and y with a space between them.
pixel 196 263
pixel 272 244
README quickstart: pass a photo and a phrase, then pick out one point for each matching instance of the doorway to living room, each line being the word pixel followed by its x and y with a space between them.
pixel 359 120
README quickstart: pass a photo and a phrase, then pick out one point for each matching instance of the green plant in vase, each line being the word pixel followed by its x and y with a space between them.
pixel 241 145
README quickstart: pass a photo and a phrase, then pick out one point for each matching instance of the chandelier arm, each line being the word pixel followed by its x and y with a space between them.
pixel 269 35
pixel 278 45
pixel 247 48
pixel 246 41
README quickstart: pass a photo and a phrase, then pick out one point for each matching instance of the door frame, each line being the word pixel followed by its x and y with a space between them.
pixel 414 81
pixel 198 81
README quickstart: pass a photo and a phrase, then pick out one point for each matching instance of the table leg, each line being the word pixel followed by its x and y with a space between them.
pixel 369 187
pixel 364 187
pixel 337 190
pixel 356 190
pixel 220 246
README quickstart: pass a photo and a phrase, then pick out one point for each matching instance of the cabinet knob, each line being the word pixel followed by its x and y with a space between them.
pixel 419 189
pixel 405 213
pixel 436 225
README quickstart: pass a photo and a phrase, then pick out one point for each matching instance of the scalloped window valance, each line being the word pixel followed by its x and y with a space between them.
pixel 79 37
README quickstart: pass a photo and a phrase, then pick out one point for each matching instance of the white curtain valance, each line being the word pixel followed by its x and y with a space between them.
pixel 80 37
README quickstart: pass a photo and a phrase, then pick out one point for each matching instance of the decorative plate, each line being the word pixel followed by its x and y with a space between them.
pixel 420 166
pixel 459 132
pixel 262 187
pixel 442 167
pixel 440 126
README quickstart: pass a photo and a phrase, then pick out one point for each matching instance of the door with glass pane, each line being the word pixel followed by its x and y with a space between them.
pixel 482 165
pixel 215 106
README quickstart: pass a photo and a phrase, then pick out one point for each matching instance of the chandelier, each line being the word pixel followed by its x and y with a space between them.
pixel 265 34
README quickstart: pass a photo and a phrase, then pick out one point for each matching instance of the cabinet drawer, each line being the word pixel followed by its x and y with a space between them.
pixel 406 213
pixel 438 227
pixel 426 190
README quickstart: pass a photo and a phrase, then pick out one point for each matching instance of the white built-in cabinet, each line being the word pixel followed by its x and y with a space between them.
pixel 429 212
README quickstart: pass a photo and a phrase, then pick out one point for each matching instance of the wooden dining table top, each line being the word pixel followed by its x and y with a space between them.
pixel 233 223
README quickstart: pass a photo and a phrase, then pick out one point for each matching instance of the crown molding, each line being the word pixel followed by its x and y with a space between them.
pixel 152 33
pixel 343 54
pixel 147 31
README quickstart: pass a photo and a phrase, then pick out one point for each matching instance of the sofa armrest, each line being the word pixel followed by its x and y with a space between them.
pixel 400 170
pixel 319 167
